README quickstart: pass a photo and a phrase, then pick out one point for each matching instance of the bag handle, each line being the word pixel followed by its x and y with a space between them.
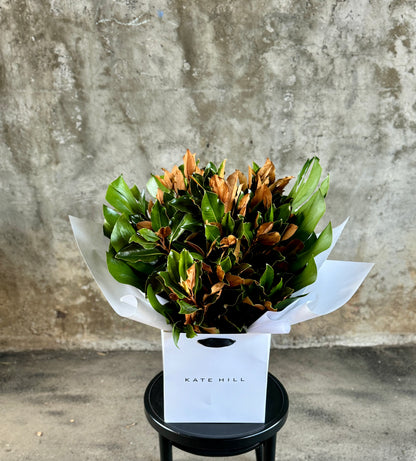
pixel 216 342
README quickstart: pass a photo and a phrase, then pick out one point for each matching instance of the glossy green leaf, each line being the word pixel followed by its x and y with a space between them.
pixel 212 233
pixel 283 212
pixel 311 212
pixel 283 304
pixel 133 253
pixel 173 265
pixel 158 216
pixel 266 280
pixel 148 235
pixel 140 199
pixel 152 186
pixel 255 167
pixel 180 224
pixel 110 219
pixel 191 223
pixel 245 230
pixel 122 232
pixel 154 302
pixel 145 268
pixel 136 238
pixel 320 244
pixel 324 240
pixel 186 308
pixel 212 208
pixel 306 182
pixel 228 223
pixel 123 273
pixel 324 186
pixel 184 203
pixel 210 170
pixel 226 264
pixel 306 277
pixel 121 198
pixel 176 334
pixel 269 215
pixel 276 288
pixel 190 333
pixel 185 262
pixel 172 284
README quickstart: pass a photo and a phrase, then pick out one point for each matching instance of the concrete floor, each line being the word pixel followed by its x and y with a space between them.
pixel 345 404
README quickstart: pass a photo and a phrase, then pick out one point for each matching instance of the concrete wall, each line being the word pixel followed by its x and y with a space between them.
pixel 91 89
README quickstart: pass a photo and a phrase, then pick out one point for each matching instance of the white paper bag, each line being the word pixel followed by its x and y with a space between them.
pixel 215 378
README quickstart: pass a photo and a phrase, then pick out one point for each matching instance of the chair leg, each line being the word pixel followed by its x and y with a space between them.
pixel 165 448
pixel 269 449
pixel 259 453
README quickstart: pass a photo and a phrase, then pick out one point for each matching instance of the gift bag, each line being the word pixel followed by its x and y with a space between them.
pixel 215 378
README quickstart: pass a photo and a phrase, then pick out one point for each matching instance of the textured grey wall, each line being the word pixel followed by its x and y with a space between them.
pixel 91 89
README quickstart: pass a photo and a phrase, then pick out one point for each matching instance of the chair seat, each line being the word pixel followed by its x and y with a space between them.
pixel 217 439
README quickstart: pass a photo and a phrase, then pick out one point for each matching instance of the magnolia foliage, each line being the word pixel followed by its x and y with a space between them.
pixel 213 253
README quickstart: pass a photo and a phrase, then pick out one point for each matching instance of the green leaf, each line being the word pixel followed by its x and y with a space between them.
pixel 173 265
pixel 320 244
pixel 141 241
pixel 276 288
pixel 152 186
pixel 269 215
pixel 306 277
pixel 186 308
pixel 283 212
pixel 228 223
pixel 306 182
pixel 210 170
pixel 212 232
pixel 191 223
pixel 221 169
pixel 283 304
pixel 121 198
pixel 324 240
pixel 185 262
pixel 226 264
pixel 180 224
pixel 169 283
pixel 134 254
pixel 123 273
pixel 122 232
pixel 266 280
pixel 158 216
pixel 154 302
pixel 145 268
pixel 148 235
pixel 176 334
pixel 311 212
pixel 190 333
pixel 140 198
pixel 324 186
pixel 212 208
pixel 244 230
pixel 184 203
pixel 255 167
pixel 196 183
pixel 110 219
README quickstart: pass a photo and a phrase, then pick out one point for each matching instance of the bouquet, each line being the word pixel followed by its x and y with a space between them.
pixel 213 253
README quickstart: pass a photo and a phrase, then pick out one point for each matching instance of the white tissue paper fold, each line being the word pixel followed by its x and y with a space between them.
pixel 126 300
pixel 336 283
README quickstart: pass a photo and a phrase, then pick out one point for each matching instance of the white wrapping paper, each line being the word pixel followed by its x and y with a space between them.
pixel 336 283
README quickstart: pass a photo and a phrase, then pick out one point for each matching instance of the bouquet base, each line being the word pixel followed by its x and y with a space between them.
pixel 215 378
